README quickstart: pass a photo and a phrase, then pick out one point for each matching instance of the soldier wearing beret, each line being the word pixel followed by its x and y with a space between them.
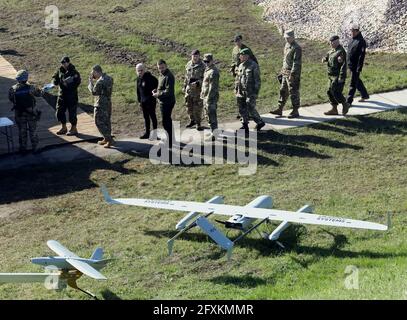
pixel 291 76
pixel 239 45
pixel 336 63
pixel 247 89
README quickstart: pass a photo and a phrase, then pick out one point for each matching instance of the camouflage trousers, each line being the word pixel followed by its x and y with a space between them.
pixel 211 107
pixel 335 91
pixel 103 120
pixel 26 123
pixel 289 89
pixel 247 107
pixel 194 105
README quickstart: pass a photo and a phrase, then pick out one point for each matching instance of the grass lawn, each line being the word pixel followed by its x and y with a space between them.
pixel 354 167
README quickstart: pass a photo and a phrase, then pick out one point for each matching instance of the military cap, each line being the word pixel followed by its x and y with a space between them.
pixel 65 59
pixel 245 51
pixel 195 52
pixel 237 37
pixel 289 34
pixel 208 57
pixel 355 26
pixel 333 38
pixel 22 75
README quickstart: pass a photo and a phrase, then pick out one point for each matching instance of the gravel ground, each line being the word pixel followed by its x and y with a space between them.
pixel 383 22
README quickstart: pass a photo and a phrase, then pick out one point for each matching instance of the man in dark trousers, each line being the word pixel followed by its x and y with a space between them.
pixel 166 98
pixel 356 58
pixel 146 83
pixel 68 79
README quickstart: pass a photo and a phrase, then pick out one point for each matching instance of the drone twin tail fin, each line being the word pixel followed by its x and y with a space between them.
pixel 97 254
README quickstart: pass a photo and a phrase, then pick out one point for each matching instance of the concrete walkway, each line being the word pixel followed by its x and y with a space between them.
pixel 134 146
pixel 48 126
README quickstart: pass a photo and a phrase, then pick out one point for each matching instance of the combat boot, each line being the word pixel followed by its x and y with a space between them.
pixel 245 127
pixel 109 143
pixel 294 114
pixel 345 108
pixel 73 131
pixel 333 111
pixel 260 125
pixel 199 127
pixel 63 130
pixel 102 142
pixel 146 135
pixel 277 112
pixel 191 124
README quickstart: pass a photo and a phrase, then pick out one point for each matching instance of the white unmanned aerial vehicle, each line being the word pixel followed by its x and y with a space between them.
pixel 241 218
pixel 63 270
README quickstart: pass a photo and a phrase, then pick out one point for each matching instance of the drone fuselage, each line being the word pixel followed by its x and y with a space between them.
pixel 60 263
pixel 240 222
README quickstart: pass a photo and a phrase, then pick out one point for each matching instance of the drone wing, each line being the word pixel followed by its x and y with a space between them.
pixel 255 213
pixel 86 269
pixel 26 277
pixel 60 250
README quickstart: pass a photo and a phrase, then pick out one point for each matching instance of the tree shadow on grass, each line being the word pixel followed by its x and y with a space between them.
pixel 52 180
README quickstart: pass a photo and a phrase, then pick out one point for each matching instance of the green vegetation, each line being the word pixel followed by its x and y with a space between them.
pixel 353 167
pixel 150 30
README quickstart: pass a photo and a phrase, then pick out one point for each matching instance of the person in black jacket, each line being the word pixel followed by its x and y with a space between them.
pixel 356 58
pixel 165 93
pixel 146 83
pixel 68 79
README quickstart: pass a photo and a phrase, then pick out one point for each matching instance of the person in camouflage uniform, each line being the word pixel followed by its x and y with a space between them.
pixel 195 69
pixel 22 95
pixel 291 76
pixel 239 45
pixel 210 93
pixel 336 63
pixel 247 89
pixel 68 79
pixel 102 90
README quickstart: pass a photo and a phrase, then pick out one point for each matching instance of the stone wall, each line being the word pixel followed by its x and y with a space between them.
pixel 383 22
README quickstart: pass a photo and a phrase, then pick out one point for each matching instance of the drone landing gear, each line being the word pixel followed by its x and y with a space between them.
pixel 72 283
